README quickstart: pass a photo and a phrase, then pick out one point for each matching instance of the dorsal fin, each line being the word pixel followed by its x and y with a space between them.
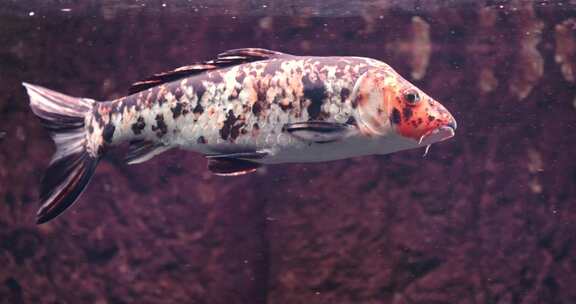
pixel 223 60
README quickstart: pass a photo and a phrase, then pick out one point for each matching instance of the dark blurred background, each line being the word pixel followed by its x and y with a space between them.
pixel 487 217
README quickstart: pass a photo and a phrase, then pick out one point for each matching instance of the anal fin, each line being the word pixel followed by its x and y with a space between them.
pixel 231 166
pixel 141 151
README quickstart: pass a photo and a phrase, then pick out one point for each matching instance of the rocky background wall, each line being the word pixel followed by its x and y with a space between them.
pixel 487 217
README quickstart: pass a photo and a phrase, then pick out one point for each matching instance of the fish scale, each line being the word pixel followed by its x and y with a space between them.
pixel 292 90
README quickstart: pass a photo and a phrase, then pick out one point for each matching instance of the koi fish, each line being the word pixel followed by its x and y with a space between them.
pixel 244 109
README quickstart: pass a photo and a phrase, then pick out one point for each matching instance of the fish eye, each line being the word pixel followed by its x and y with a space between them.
pixel 412 97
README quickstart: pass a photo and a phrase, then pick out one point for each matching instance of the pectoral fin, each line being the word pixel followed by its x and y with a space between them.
pixel 231 166
pixel 244 155
pixel 319 131
pixel 141 151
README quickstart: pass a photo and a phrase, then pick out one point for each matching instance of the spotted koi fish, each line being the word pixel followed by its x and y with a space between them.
pixel 244 109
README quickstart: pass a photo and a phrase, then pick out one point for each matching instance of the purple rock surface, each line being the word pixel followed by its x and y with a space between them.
pixel 487 217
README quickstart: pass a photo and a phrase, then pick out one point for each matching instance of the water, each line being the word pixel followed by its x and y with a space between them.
pixel 486 217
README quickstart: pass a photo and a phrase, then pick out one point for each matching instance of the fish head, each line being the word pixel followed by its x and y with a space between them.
pixel 417 116
pixel 390 105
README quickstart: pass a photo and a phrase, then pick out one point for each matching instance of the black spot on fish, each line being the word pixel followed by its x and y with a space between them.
pixel 316 93
pixel 256 126
pixel 235 131
pixel 199 89
pixel 161 128
pixel 138 126
pixel 228 124
pixel 97 116
pixel 261 94
pixel 198 109
pixel 201 140
pixel 90 129
pixel 257 108
pixel 176 110
pixel 431 118
pixel 344 94
pixel 351 121
pixel 396 117
pixel 407 113
pixel 108 132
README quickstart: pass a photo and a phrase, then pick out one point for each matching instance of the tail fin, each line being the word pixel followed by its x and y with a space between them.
pixel 72 166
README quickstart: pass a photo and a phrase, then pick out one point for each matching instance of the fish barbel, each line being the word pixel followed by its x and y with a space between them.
pixel 242 110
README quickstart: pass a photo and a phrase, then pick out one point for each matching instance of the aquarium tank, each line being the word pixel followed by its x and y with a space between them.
pixel 486 216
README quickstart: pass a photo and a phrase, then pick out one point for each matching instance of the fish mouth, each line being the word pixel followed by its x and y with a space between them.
pixel 438 135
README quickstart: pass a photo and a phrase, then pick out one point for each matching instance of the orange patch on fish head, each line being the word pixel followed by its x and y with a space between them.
pixel 415 115
pixel 386 103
